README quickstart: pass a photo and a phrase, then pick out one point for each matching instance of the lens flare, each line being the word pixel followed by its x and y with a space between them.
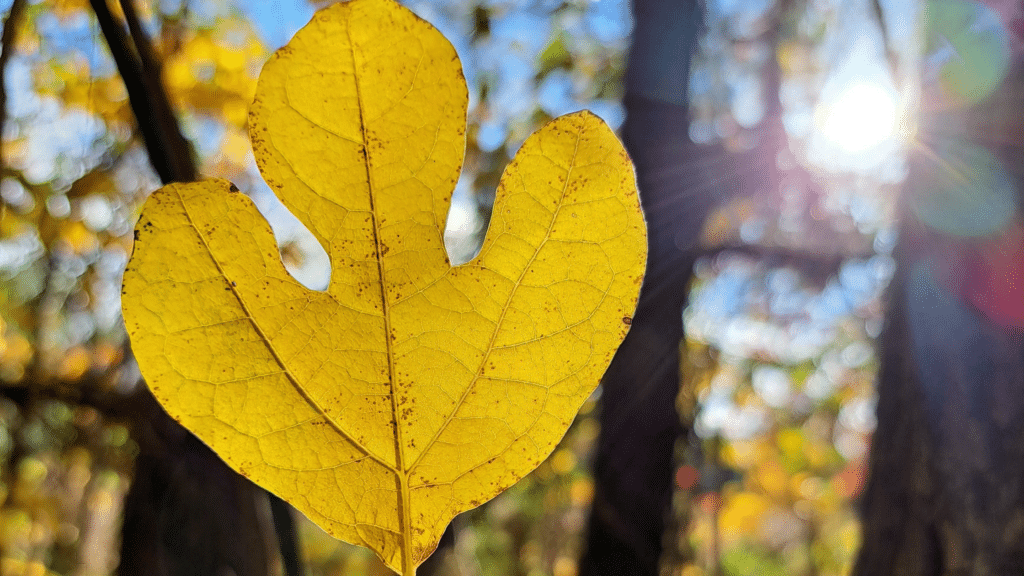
pixel 967 49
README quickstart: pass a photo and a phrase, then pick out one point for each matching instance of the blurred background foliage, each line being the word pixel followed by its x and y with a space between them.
pixel 781 364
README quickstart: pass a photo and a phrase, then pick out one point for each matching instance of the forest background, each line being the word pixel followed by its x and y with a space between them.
pixel 780 364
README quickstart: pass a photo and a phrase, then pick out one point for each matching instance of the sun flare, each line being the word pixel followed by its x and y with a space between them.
pixel 861 117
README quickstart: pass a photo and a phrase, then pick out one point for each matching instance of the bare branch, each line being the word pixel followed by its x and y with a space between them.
pixel 816 267
pixel 7 45
pixel 890 54
pixel 169 152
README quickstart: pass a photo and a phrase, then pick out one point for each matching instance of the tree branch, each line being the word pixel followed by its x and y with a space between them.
pixel 284 526
pixel 890 55
pixel 171 156
pixel 817 267
pixel 7 46
pixel 91 390
pixel 143 45
pixel 169 152
pixel 180 152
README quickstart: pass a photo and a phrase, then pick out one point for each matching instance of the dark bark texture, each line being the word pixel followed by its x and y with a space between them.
pixel 186 512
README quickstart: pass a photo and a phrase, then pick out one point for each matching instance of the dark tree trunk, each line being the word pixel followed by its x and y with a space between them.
pixel 899 536
pixel 680 183
pixel 187 513
pixel 945 493
pixel 639 423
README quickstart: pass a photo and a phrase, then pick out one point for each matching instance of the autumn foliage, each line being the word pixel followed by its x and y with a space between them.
pixel 409 390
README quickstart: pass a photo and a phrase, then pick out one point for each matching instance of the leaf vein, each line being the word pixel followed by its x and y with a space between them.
pixel 498 324
pixel 291 378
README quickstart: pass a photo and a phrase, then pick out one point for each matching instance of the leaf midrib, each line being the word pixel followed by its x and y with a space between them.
pixel 401 473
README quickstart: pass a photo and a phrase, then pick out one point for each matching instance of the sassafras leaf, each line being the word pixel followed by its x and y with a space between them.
pixel 409 390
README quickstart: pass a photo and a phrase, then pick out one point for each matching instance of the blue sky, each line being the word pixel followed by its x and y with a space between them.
pixel 277 20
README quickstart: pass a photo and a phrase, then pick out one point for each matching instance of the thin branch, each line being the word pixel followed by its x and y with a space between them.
pixel 890 54
pixel 7 40
pixel 152 68
pixel 143 45
pixel 817 267
pixel 93 389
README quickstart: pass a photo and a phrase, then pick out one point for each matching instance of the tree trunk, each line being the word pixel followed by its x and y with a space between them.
pixel 639 423
pixel 679 184
pixel 945 493
pixel 187 513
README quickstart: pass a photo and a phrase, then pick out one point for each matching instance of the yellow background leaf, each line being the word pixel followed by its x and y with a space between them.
pixel 410 390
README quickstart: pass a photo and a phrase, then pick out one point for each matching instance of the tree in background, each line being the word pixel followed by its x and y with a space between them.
pixel 945 494
pixel 77 431
pixel 680 183
pixel 685 184
pixel 185 511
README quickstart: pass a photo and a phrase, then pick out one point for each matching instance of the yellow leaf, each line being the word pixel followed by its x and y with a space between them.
pixel 410 390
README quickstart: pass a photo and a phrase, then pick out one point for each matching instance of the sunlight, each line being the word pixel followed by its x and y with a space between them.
pixel 862 116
